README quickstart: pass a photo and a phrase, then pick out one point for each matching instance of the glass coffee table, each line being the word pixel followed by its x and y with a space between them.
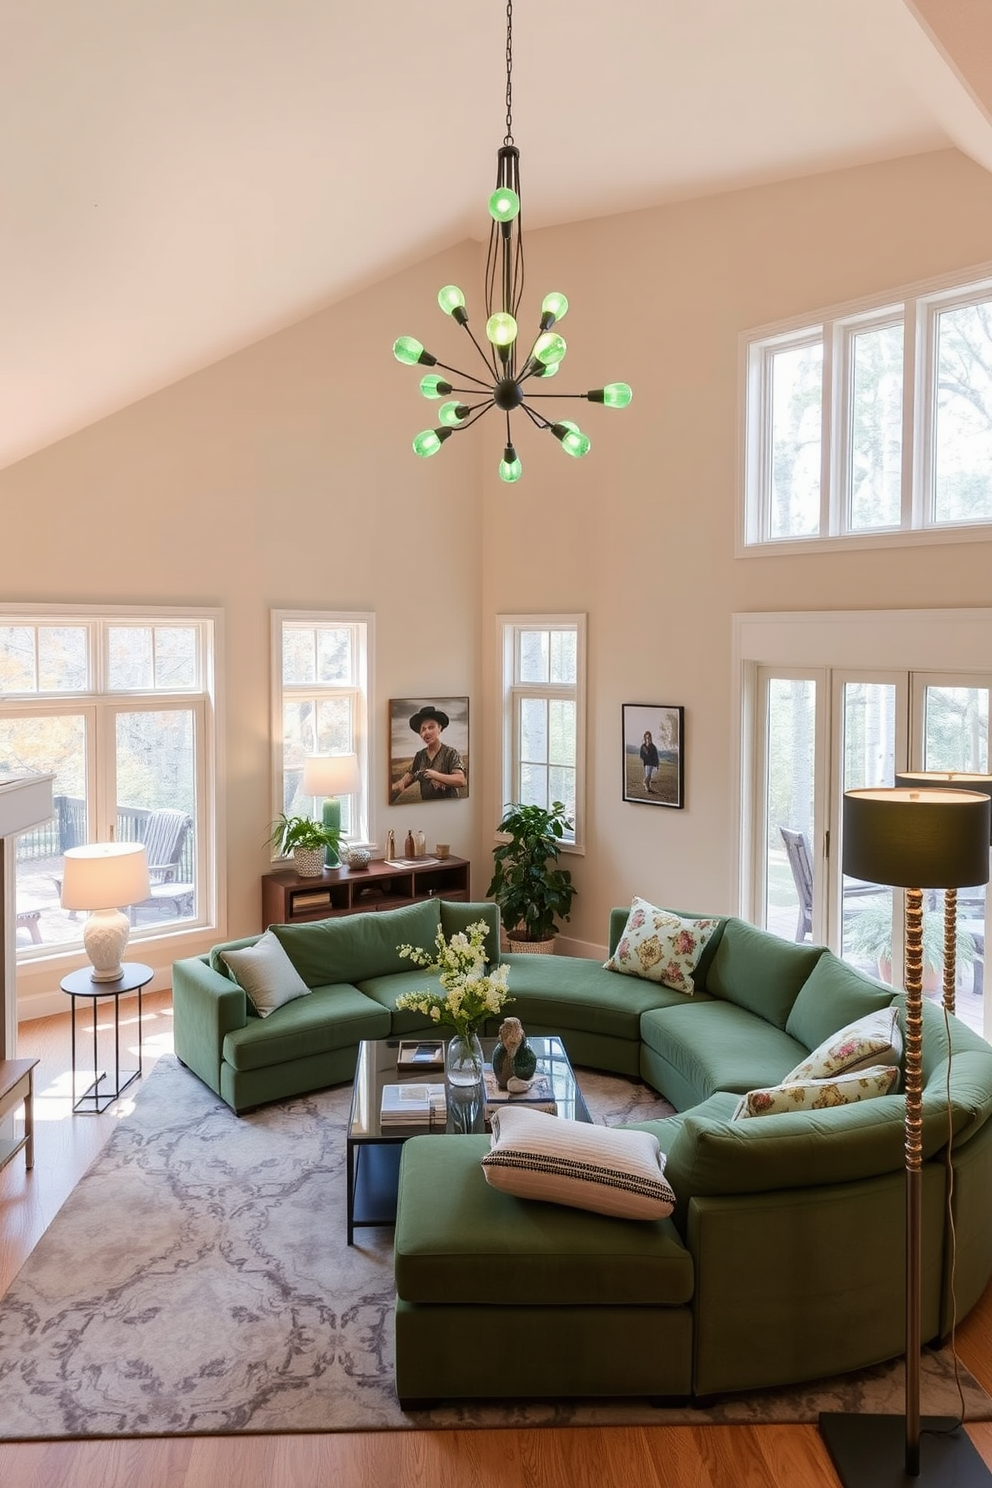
pixel 374 1151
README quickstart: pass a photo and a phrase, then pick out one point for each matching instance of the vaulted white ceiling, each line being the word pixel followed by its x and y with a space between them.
pixel 181 177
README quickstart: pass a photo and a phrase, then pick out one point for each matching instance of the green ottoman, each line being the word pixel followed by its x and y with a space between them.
pixel 498 1297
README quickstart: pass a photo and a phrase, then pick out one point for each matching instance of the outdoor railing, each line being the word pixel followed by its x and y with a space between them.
pixel 67 828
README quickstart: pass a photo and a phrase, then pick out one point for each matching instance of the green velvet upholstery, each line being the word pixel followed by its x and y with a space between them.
pixel 351 948
pixel 831 991
pixel 688 1052
pixel 783 1259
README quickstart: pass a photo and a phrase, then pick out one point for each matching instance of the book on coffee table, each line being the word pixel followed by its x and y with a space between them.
pixel 539 1096
pixel 413 1105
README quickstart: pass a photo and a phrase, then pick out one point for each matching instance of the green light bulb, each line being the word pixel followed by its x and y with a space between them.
pixel 504 204
pixel 616 394
pixel 549 348
pixel 450 298
pixel 428 442
pixel 555 304
pixel 510 468
pixel 501 329
pixel 573 441
pixel 551 371
pixel 408 350
pixel 452 414
pixel 433 386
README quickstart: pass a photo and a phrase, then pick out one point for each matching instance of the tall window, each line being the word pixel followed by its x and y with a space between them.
pixel 873 423
pixel 875 696
pixel 119 707
pixel 544 712
pixel 320 670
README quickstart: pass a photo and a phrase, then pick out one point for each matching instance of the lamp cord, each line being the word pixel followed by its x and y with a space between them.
pixel 952 1230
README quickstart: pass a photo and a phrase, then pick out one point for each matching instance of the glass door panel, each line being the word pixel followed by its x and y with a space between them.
pixel 956 737
pixel 43 744
pixel 869 741
pixel 156 804
pixel 790 749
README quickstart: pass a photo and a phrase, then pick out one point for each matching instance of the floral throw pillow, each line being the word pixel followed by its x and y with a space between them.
pixel 660 946
pixel 817 1095
pixel 872 1040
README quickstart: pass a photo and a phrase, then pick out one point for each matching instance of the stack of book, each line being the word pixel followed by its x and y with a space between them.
pixel 539 1096
pixel 413 1105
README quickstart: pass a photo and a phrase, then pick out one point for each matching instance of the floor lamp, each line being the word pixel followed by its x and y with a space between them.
pixel 916 840
pixel 331 776
pixel 948 780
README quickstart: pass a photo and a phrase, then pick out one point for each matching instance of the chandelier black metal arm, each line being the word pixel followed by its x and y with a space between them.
pixel 504 285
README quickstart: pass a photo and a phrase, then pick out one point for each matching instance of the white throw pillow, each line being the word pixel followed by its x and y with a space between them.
pixel 817 1095
pixel 266 974
pixel 872 1040
pixel 538 1156
pixel 661 946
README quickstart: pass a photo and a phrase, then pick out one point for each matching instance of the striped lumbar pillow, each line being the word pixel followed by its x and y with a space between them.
pixel 538 1156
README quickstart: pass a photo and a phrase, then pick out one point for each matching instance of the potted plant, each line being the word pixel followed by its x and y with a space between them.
pixel 531 891
pixel 307 841
pixel 868 937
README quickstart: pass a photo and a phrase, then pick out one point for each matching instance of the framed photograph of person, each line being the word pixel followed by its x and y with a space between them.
pixel 653 773
pixel 428 749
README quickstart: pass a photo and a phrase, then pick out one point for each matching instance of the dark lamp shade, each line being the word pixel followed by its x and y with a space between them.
pixel 917 839
pixel 945 780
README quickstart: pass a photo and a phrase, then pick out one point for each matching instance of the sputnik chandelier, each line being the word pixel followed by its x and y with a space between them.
pixel 503 386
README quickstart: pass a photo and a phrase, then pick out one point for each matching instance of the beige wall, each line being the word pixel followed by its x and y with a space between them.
pixel 283 477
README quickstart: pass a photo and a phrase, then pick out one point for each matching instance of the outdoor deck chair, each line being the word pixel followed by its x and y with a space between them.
pixel 164 836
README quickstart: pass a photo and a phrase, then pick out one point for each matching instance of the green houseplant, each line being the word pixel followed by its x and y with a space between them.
pixel 869 938
pixel 307 841
pixel 532 892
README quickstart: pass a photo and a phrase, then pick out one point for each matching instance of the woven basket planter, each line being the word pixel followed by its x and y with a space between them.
pixel 308 861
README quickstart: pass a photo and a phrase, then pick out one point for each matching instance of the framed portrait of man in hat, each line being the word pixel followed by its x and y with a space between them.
pixel 428 749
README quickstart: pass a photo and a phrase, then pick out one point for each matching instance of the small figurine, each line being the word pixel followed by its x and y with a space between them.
pixel 514 1061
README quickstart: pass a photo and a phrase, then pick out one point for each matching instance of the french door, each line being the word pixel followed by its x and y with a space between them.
pixel 816 732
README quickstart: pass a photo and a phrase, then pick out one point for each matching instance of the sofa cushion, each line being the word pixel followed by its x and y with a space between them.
pixel 456 916
pixel 560 993
pixel 459 1241
pixel 335 1017
pixel 385 989
pixel 833 995
pixel 537 1156
pixel 353 947
pixel 817 1095
pixel 872 1040
pixel 716 1045
pixel 661 946
pixel 759 971
pixel 266 974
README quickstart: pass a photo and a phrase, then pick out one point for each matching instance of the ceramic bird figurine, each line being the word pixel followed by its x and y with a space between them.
pixel 514 1061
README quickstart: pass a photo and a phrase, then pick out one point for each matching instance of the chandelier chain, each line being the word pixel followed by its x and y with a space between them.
pixel 508 137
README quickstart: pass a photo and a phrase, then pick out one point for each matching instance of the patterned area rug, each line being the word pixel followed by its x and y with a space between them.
pixel 197 1281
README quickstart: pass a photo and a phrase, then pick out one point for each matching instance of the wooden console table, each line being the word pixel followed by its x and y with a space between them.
pixel 17 1088
pixel 288 899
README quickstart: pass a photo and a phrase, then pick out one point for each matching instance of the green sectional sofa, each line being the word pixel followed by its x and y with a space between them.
pixel 784 1258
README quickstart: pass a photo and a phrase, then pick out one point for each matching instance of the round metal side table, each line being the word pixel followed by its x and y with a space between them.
pixel 80 984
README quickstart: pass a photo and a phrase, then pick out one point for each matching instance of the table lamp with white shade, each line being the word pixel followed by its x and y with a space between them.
pixel 102 878
pixel 331 776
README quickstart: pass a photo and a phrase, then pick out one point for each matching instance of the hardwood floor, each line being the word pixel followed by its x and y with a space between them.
pixel 654 1457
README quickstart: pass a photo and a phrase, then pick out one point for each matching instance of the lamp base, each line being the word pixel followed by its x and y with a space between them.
pixel 332 819
pixel 105 938
pixel 870 1452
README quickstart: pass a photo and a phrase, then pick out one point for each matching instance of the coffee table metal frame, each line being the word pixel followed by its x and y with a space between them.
pixel 374 1154
pixel 80 984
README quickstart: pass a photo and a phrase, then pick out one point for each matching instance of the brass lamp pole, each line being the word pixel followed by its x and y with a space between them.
pixel 916 840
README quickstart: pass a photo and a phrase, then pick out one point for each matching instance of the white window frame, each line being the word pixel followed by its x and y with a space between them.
pixel 918 306
pixel 99 705
pixel 512 691
pixel 362 624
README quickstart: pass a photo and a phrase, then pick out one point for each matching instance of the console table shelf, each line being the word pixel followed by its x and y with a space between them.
pixel 288 899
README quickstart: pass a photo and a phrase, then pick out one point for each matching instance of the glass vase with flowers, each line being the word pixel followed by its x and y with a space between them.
pixel 470 993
